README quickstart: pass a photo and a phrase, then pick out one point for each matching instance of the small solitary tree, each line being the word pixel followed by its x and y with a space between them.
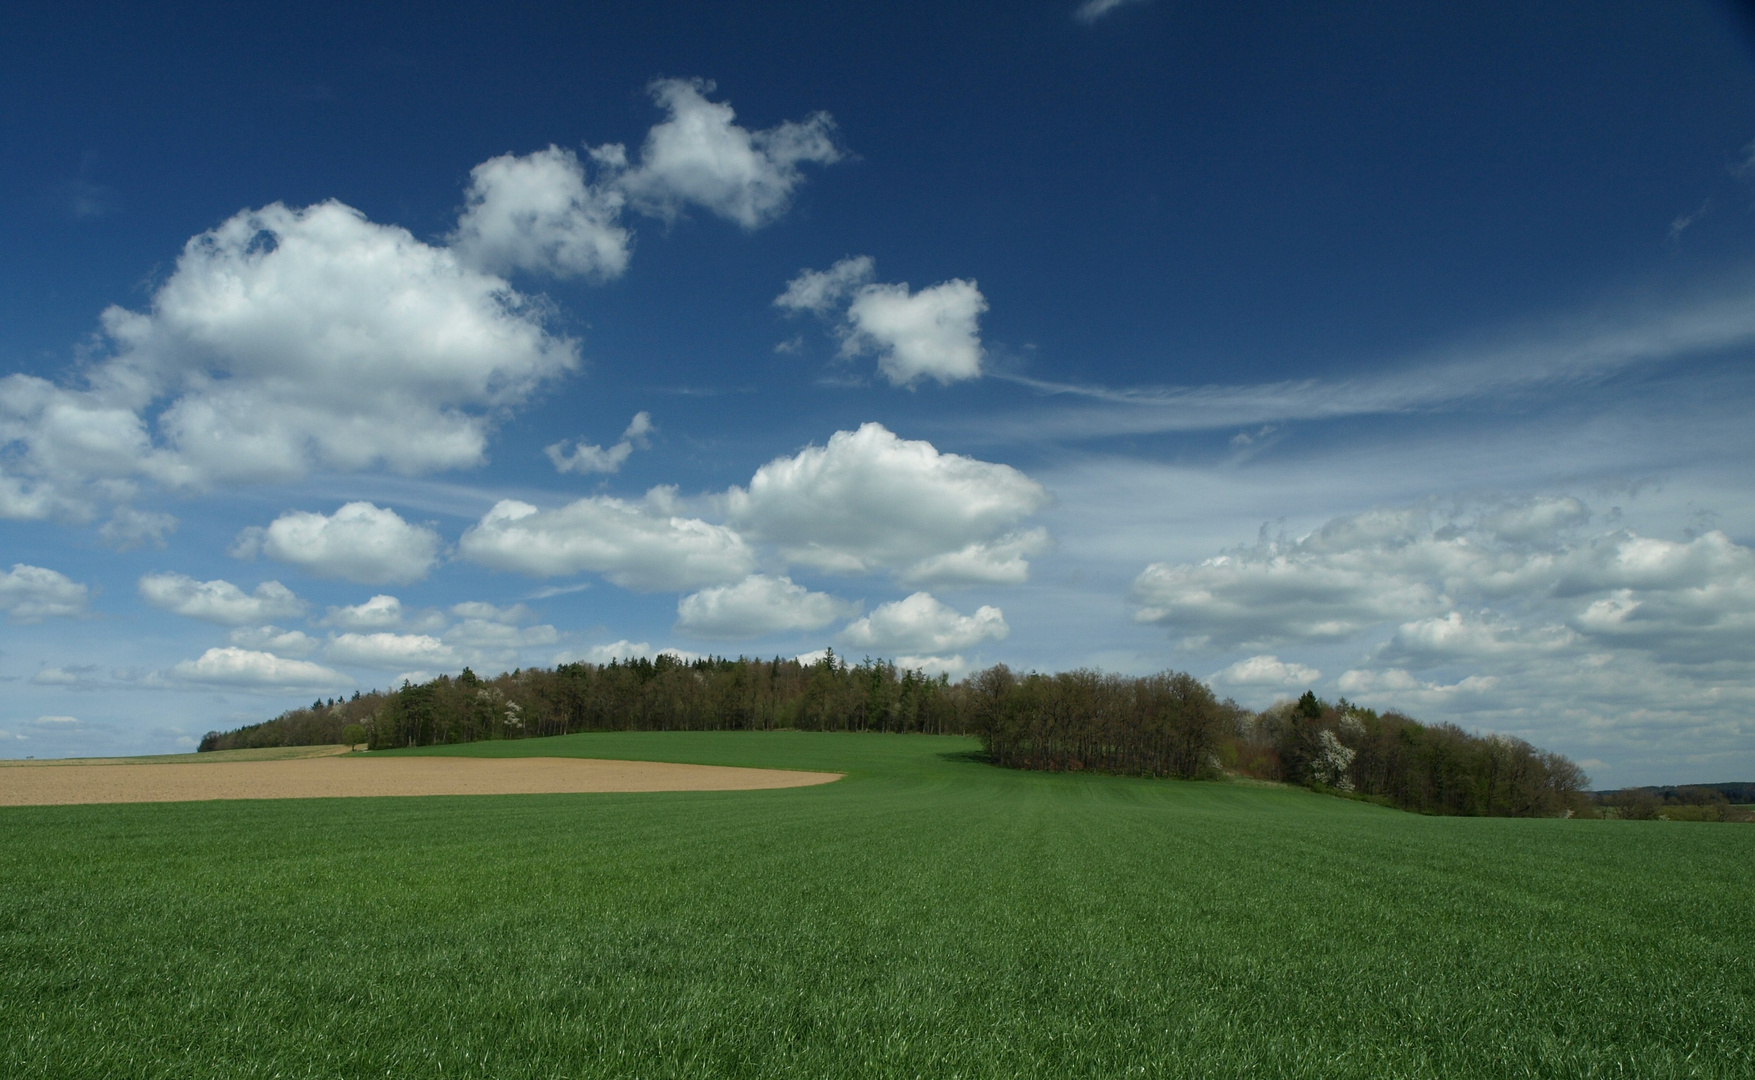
pixel 353 735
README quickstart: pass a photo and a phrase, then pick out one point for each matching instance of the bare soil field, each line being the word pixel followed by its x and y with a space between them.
pixel 343 775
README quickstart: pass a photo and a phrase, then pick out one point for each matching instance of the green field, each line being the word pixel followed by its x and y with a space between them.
pixel 929 916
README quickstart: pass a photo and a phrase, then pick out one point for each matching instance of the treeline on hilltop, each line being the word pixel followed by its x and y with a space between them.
pixel 662 694
pixel 1172 725
pixel 1169 725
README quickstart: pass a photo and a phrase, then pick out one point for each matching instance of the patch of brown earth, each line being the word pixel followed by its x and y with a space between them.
pixel 358 775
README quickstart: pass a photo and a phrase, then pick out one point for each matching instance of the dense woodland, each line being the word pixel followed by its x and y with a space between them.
pixel 1169 724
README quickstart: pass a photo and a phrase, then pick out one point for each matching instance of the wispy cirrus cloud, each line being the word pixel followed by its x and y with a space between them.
pixel 1092 10
pixel 1581 353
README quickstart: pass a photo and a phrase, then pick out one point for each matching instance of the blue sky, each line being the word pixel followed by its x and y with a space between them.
pixel 1399 351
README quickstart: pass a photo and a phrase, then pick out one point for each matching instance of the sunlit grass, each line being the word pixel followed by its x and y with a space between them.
pixel 928 915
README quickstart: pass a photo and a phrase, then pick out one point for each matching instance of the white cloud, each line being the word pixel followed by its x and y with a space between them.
pixel 1398 687
pixel 823 292
pixel 288 340
pixel 30 594
pixel 623 650
pixel 1267 671
pixel 997 562
pixel 1092 10
pixel 1534 519
pixel 248 669
pixel 869 500
pixel 488 645
pixel 219 601
pixel 359 542
pixel 922 624
pixel 1577 352
pixel 273 639
pixel 1514 615
pixel 933 333
pixel 387 651
pixel 309 337
pixel 1485 635
pixel 476 609
pixel 378 612
pixel 538 213
pixel 634 545
pixel 603 654
pixel 1690 600
pixel 583 458
pixel 954 666
pixel 1327 586
pixel 76 675
pixel 130 528
pixel 284 340
pixel 759 604
pixel 699 156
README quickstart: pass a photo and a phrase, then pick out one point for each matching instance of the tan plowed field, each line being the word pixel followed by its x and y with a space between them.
pixel 359 775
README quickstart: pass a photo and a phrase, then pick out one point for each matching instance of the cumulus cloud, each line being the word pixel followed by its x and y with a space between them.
pixel 551 212
pixel 273 639
pixel 378 612
pixel 1327 586
pixel 622 650
pixel 219 601
pixel 603 654
pixel 359 542
pixel 485 641
pixel 823 292
pixel 284 340
pixel 933 333
pixel 582 458
pixel 920 623
pixel 954 666
pixel 635 545
pixel 315 337
pixel 247 669
pixel 539 213
pixel 996 562
pixel 290 339
pixel 1475 636
pixel 388 652
pixel 1518 615
pixel 699 156
pixel 30 594
pixel 869 501
pixel 1266 671
pixel 1543 583
pixel 759 604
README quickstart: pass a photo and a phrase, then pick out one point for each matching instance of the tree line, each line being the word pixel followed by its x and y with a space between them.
pixel 1695 802
pixel 1168 725
pixel 666 693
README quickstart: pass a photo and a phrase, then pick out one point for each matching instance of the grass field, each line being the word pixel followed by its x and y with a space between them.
pixel 927 916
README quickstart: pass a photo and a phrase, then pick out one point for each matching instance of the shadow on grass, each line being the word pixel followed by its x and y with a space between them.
pixel 967 757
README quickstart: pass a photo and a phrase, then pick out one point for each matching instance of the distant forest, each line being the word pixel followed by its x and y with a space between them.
pixel 1169 725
